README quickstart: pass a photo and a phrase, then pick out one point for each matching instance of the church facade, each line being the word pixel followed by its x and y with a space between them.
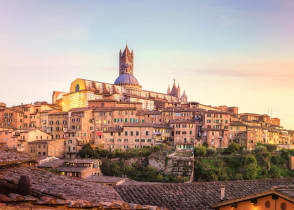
pixel 126 88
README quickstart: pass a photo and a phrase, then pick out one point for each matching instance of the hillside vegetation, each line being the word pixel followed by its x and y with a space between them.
pixel 234 163
pixel 117 164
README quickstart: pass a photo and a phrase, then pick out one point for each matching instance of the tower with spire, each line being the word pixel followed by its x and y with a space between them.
pixel 126 61
pixel 126 76
pixel 176 92
pixel 168 90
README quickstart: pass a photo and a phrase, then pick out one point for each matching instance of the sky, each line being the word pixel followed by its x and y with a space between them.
pixel 235 53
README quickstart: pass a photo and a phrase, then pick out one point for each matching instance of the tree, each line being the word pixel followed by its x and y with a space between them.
pixel 274 172
pixel 233 148
pixel 200 151
pixel 86 151
pixel 249 167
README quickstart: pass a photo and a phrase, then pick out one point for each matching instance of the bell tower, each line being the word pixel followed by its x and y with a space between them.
pixel 126 61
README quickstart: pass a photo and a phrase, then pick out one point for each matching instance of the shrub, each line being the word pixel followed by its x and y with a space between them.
pixel 200 151
pixel 271 147
pixel 238 176
pixel 274 172
pixel 233 148
pixel 86 151
pixel 211 175
pixel 211 152
pixel 260 149
pixel 250 171
pixel 249 167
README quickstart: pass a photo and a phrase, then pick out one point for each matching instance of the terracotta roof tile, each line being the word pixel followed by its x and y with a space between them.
pixel 191 196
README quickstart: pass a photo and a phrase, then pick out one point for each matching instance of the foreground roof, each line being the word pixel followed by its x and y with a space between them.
pixel 202 195
pixel 11 157
pixel 284 191
pixel 70 189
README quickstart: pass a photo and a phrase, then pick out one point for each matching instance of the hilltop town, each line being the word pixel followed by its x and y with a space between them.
pixel 121 142
pixel 123 116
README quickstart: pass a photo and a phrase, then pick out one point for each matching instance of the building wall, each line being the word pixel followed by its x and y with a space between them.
pixel 184 133
pixel 57 124
pixel 56 148
pixel 129 137
pixel 261 205
pixel 6 138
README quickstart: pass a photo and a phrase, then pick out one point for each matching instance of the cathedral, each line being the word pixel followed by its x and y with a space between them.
pixel 126 88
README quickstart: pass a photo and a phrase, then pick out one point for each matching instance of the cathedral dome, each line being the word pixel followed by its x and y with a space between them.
pixel 126 79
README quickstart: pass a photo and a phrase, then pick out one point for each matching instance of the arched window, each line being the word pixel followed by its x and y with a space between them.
pixel 77 88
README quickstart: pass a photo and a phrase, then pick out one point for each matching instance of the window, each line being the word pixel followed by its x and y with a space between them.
pixel 137 133
pixel 142 140
pixel 149 140
pixel 126 120
pixel 126 133
pixel 147 133
pixel 132 133
pixel 137 140
pixel 77 88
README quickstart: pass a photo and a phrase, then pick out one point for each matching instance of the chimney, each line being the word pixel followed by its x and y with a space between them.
pixel 24 185
pixel 222 193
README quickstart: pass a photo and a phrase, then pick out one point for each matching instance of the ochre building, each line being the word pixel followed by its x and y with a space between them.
pixel 126 88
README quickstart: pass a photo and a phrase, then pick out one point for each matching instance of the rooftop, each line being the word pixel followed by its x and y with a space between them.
pixel 201 195
pixel 65 187
pixel 11 157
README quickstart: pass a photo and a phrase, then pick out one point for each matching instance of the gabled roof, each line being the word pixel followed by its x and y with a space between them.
pixel 197 195
pixel 286 192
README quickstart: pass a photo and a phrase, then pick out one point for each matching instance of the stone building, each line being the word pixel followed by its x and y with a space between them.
pixel 23 137
pixel 126 88
pixel 46 148
pixel 81 168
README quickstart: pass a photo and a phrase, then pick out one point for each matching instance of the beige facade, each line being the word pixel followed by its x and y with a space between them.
pixel 47 148
pixel 23 137
pixel 81 168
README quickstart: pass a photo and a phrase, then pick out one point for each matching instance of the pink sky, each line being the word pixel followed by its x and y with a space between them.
pixel 238 53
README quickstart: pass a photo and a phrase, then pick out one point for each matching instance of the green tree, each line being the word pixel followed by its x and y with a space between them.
pixel 200 151
pixel 250 169
pixel 274 172
pixel 233 148
pixel 86 151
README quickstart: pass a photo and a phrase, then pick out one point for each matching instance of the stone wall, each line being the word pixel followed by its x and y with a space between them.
pixel 178 164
